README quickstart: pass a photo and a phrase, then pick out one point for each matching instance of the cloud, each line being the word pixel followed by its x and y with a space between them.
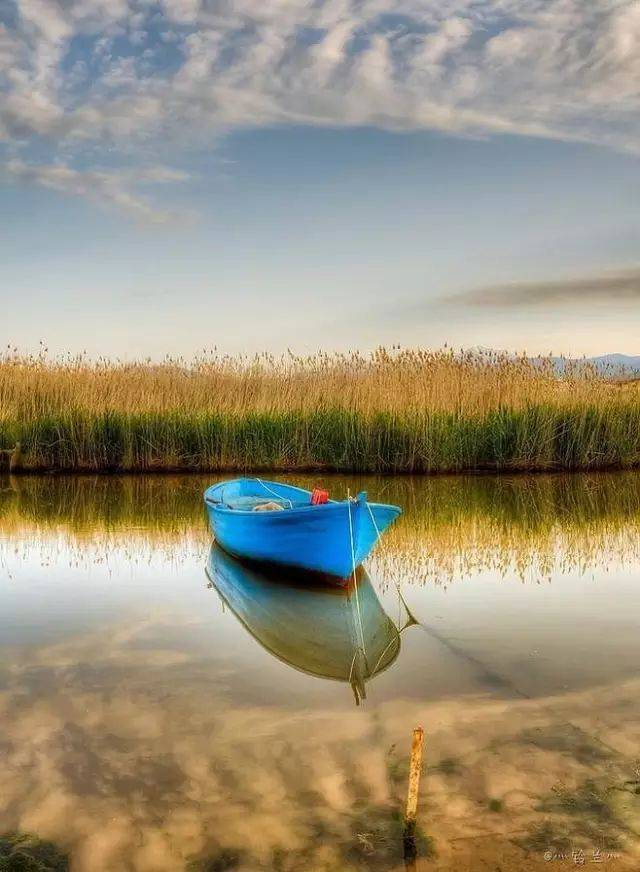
pixel 185 71
pixel 132 746
pixel 103 187
pixel 613 287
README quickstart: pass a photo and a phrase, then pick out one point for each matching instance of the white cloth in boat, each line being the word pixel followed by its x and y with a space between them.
pixel 262 504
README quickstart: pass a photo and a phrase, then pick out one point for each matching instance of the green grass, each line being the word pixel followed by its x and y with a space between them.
pixel 22 852
pixel 546 437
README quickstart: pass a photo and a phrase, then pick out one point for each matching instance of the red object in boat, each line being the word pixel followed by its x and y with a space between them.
pixel 319 497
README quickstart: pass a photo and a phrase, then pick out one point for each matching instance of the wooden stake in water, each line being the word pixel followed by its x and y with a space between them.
pixel 412 794
pixel 15 458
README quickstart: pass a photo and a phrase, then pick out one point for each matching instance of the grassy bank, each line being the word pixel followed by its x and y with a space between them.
pixel 392 412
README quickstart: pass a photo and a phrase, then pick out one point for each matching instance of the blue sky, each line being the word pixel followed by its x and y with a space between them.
pixel 186 174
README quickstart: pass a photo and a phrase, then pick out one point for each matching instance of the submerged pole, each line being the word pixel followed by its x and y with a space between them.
pixel 409 839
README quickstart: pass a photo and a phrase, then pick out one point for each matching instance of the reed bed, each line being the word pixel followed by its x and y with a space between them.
pixel 393 411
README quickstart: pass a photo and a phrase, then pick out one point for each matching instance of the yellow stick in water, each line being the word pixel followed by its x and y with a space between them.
pixel 412 794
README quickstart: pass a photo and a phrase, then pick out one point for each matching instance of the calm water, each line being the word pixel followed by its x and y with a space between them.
pixel 164 708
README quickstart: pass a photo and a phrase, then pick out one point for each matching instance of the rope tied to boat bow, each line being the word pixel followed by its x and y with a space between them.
pixel 355 587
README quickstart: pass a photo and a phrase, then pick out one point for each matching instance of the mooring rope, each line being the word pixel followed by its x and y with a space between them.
pixel 274 494
pixel 353 663
pixel 374 521
pixel 381 657
pixel 400 597
pixel 355 579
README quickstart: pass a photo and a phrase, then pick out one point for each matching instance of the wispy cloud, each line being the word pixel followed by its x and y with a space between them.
pixel 613 287
pixel 87 73
pixel 103 187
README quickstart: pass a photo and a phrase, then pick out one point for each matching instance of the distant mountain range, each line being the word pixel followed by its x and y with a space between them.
pixel 628 362
pixel 614 365
pixel 610 363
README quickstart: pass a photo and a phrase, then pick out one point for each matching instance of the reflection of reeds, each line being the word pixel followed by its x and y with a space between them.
pixel 450 526
pixel 402 411
pixel 458 525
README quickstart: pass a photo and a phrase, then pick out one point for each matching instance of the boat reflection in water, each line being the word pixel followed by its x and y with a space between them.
pixel 330 631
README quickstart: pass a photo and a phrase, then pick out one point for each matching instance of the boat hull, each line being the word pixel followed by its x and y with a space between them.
pixel 333 538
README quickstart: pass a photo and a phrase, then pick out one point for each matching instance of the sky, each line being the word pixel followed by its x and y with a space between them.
pixel 188 174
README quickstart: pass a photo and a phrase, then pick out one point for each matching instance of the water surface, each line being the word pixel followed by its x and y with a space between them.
pixel 163 707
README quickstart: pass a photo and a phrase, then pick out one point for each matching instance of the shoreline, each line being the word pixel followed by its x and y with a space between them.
pixel 412 412
pixel 239 472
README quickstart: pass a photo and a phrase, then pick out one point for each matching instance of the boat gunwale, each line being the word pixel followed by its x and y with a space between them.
pixel 219 505
pixel 332 504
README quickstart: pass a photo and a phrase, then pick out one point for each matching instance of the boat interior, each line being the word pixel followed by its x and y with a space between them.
pixel 254 494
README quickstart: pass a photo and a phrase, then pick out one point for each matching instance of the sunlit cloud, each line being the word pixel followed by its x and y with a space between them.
pixel 88 74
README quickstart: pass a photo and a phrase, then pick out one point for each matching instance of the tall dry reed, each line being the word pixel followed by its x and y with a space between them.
pixel 395 410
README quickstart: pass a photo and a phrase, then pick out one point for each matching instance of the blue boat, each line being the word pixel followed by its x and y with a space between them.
pixel 271 522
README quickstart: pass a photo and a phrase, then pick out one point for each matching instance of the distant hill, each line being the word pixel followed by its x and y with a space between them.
pixel 613 364
pixel 625 362
pixel 610 364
